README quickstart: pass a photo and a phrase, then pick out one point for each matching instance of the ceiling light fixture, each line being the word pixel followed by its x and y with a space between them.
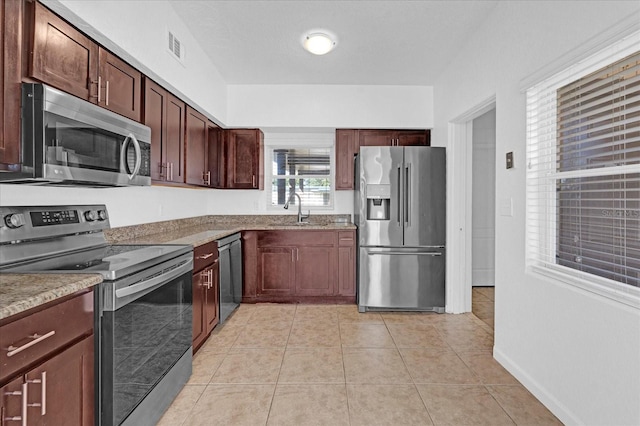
pixel 318 43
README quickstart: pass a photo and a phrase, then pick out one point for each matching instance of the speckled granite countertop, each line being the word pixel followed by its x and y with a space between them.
pixel 20 292
pixel 198 231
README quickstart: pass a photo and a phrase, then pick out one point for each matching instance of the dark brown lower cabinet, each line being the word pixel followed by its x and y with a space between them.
pixel 206 313
pixel 297 266
pixel 347 263
pixel 50 380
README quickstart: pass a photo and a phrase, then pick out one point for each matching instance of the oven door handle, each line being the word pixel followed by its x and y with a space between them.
pixel 145 286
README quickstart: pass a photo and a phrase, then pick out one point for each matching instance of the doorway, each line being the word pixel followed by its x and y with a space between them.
pixel 483 197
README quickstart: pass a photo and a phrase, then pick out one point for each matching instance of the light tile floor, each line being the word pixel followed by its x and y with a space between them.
pixel 482 303
pixel 330 365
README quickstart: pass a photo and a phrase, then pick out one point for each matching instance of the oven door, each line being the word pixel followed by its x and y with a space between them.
pixel 145 354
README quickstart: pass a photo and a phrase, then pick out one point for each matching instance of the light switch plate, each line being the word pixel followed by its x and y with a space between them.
pixel 510 160
pixel 506 206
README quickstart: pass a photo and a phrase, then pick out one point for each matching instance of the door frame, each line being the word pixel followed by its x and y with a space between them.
pixel 459 204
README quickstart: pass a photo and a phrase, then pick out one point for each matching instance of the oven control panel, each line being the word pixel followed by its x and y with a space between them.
pixel 36 222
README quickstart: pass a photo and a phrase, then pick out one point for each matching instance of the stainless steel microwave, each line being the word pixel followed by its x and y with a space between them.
pixel 69 141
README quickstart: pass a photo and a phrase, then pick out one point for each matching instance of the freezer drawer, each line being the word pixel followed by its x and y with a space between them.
pixel 401 278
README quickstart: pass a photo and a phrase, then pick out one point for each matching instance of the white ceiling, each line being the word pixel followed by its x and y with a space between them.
pixel 379 42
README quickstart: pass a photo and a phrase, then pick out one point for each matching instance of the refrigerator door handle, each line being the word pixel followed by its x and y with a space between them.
pixel 407 194
pixel 400 196
pixel 387 253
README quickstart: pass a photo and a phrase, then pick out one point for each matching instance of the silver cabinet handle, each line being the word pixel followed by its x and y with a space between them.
pixel 43 393
pixel 106 96
pixel 24 404
pixel 23 415
pixel 171 171
pixel 99 88
pixel 205 256
pixel 253 180
pixel 37 338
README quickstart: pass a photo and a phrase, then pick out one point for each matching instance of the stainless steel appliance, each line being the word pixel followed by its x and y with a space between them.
pixel 230 258
pixel 69 141
pixel 143 307
pixel 400 214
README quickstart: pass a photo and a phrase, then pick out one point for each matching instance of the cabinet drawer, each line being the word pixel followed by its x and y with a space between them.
pixel 296 238
pixel 204 255
pixel 346 238
pixel 61 324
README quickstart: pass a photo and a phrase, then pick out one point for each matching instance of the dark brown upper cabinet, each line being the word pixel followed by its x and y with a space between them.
pixel 215 138
pixel 346 149
pixel 349 141
pixel 11 15
pixel 244 159
pixel 197 172
pixel 393 137
pixel 63 57
pixel 119 85
pixel 165 115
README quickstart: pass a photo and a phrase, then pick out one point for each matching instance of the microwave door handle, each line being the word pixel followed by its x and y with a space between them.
pixel 123 155
pixel 136 145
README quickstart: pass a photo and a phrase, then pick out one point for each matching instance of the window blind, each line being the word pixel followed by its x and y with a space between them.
pixel 305 171
pixel 583 169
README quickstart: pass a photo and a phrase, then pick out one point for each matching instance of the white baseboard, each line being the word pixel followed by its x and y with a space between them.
pixel 543 395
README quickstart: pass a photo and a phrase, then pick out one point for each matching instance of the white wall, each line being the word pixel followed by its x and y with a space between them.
pixel 576 351
pixel 343 106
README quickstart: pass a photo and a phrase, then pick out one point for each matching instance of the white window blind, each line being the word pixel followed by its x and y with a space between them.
pixel 583 169
pixel 305 171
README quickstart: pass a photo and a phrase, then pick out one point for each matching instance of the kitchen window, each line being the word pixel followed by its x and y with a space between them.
pixel 307 171
pixel 583 173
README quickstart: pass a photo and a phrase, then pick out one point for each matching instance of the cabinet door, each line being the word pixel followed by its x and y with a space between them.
pixel 196 143
pixel 346 148
pixel 216 155
pixel 122 86
pixel 315 271
pixel 155 116
pixel 11 13
pixel 199 330
pixel 174 140
pixel 211 304
pixel 61 390
pixel 276 271
pixel 375 138
pixel 62 56
pixel 346 263
pixel 413 137
pixel 244 159
pixel 11 402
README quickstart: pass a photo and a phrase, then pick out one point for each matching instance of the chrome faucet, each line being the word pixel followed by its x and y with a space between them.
pixel 301 218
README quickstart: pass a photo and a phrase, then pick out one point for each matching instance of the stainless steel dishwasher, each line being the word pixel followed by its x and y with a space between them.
pixel 230 261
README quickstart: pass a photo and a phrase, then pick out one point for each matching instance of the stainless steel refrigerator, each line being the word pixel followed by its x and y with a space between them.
pixel 400 213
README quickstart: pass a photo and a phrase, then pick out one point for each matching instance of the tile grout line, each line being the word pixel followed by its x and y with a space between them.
pixel 275 387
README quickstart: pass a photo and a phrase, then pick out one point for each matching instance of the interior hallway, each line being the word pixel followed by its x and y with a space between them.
pixel 330 365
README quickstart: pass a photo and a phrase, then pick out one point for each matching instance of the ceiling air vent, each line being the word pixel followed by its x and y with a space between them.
pixel 175 47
